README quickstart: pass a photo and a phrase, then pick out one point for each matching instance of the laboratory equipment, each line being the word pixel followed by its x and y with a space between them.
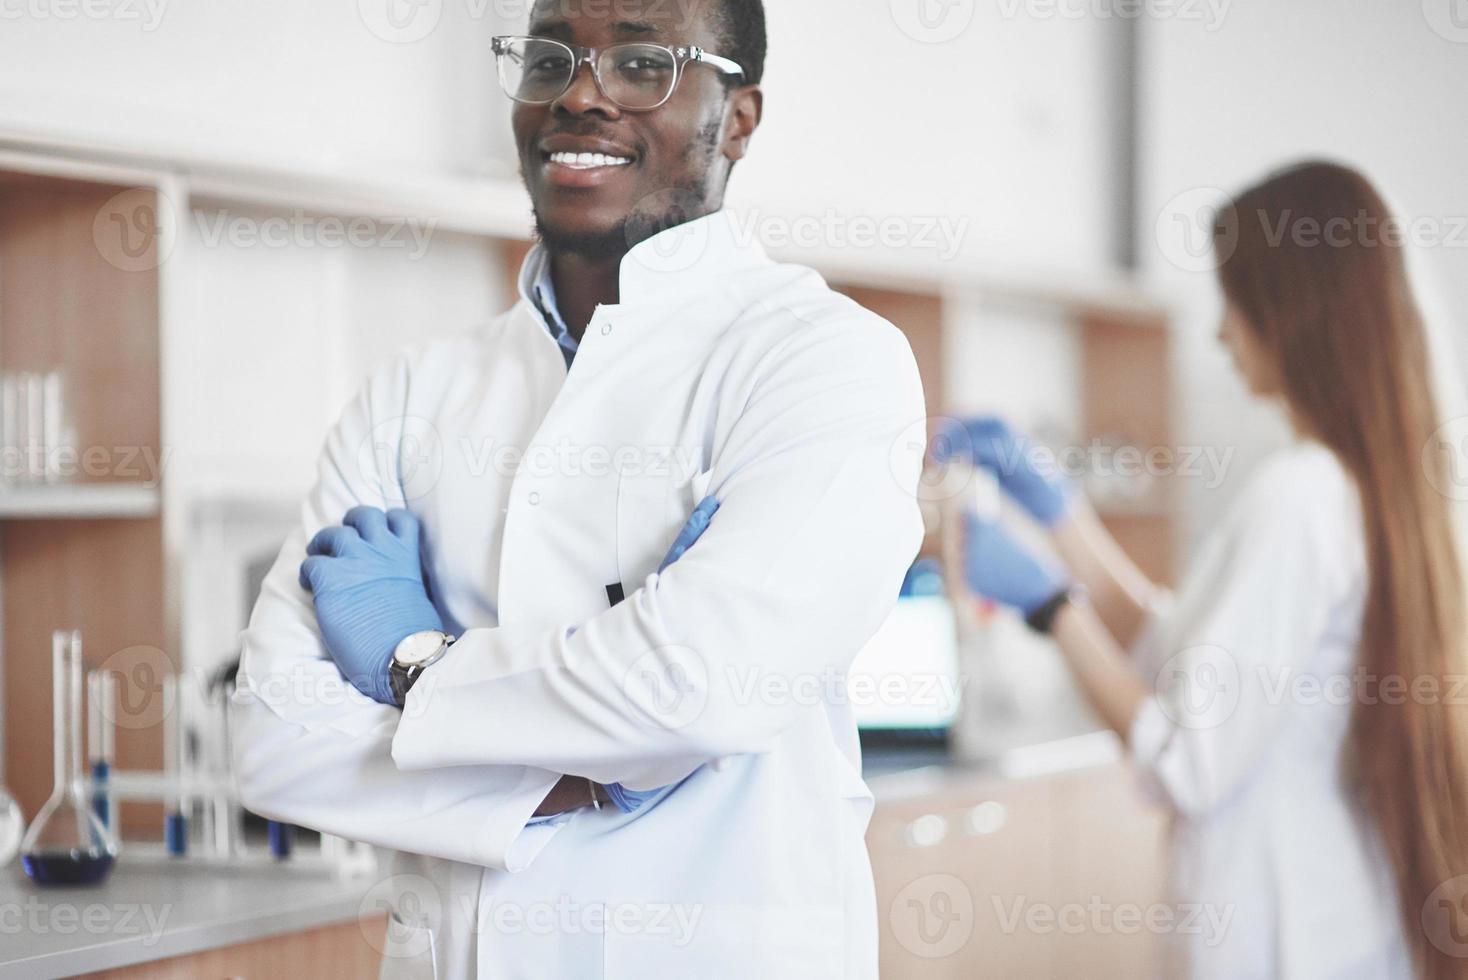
pixel 67 844
pixel 34 429
pixel 202 818
pixel 101 749
pixel 988 711
pixel 281 837
pixel 175 815
pixel 12 827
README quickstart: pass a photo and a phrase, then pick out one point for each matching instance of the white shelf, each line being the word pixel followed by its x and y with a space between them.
pixel 488 206
pixel 77 500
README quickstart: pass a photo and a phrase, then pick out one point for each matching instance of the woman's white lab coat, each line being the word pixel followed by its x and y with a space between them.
pixel 1255 662
pixel 720 372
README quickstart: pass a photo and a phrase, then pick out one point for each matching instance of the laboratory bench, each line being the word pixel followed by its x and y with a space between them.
pixel 189 920
pixel 1056 824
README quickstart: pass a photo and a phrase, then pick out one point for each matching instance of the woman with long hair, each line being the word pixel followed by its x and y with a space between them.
pixel 1298 703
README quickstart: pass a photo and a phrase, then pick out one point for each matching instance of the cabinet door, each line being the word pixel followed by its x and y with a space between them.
pixel 956 874
pixel 1109 855
pixel 1018 879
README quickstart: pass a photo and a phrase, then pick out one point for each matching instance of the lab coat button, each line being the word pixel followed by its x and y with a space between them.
pixel 606 329
pixel 534 497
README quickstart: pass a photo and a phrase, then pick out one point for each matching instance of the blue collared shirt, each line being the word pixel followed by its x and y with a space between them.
pixel 538 287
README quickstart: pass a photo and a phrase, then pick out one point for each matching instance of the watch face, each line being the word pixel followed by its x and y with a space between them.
pixel 418 647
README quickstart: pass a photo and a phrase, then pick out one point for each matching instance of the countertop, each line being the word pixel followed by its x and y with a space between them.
pixel 149 911
pixel 146 912
pixel 896 774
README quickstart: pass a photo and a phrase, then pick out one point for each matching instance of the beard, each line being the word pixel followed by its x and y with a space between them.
pixel 677 204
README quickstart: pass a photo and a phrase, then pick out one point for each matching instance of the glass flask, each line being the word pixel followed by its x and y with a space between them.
pixel 12 826
pixel 67 844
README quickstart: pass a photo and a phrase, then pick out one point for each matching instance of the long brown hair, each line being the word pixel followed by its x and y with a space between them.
pixel 1309 259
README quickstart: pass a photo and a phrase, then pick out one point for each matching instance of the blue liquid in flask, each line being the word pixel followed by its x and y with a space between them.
pixel 73 867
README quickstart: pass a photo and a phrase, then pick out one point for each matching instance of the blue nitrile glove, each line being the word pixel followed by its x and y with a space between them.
pixel 990 442
pixel 628 800
pixel 366 578
pixel 998 567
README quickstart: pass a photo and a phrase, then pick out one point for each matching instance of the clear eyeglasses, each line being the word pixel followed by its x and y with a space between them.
pixel 638 77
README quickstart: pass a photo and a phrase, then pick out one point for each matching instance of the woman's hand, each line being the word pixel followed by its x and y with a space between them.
pixel 998 567
pixel 989 441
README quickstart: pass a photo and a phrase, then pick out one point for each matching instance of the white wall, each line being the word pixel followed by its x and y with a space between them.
pixel 870 113
pixel 1368 83
pixel 303 84
pixel 1005 124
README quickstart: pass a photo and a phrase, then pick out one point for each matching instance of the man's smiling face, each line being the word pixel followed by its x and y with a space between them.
pixel 591 166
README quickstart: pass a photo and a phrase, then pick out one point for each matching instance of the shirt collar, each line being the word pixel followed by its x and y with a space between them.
pixel 693 257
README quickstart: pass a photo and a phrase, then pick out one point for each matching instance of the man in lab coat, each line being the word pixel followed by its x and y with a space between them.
pixel 596 760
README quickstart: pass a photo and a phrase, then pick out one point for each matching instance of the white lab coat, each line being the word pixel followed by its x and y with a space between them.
pixel 719 372
pixel 1247 750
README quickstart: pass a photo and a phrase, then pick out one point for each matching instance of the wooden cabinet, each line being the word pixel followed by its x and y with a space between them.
pixel 68 303
pixel 1020 879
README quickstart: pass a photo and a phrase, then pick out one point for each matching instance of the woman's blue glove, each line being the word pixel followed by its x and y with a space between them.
pixel 998 567
pixel 628 800
pixel 366 579
pixel 988 441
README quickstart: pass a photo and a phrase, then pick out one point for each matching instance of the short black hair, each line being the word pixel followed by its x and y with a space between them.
pixel 740 25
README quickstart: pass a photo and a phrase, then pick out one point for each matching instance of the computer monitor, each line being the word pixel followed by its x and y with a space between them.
pixel 905 683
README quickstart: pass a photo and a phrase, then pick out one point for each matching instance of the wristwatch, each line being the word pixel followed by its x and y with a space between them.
pixel 1042 620
pixel 414 654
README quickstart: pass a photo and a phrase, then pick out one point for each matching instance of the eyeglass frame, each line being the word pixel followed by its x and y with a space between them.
pixel 682 55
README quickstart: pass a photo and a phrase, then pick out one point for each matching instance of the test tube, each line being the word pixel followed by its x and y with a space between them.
pixel 175 824
pixel 225 807
pixel 53 432
pixel 101 738
pixel 281 836
pixel 11 426
pixel 33 386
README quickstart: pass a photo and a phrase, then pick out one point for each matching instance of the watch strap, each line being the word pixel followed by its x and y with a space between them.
pixel 1042 620
pixel 400 679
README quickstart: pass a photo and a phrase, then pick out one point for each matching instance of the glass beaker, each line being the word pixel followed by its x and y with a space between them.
pixel 12 826
pixel 67 844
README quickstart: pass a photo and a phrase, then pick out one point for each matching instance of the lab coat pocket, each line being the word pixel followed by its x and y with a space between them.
pixel 718 941
pixel 409 949
pixel 651 510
